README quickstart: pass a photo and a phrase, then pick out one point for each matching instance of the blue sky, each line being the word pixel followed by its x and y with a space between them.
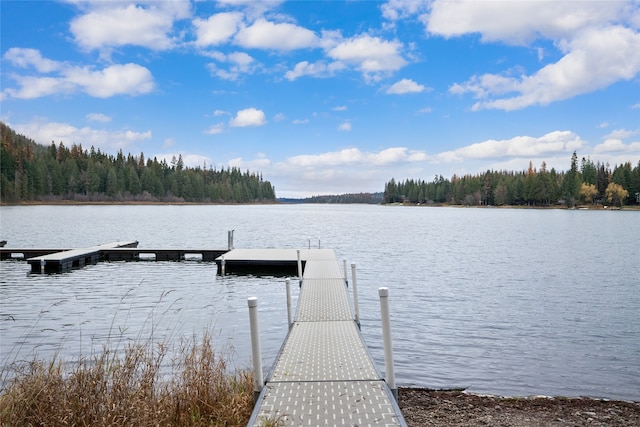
pixel 329 97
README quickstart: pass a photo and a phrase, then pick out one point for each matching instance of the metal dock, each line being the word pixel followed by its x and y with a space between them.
pixel 324 375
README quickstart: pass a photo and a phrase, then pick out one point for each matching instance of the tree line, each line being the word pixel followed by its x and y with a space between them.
pixel 585 182
pixel 34 172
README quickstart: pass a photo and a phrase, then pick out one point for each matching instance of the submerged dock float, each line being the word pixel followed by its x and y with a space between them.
pixel 323 375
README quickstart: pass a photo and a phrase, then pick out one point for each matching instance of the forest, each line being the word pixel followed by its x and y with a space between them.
pixel 34 172
pixel 585 183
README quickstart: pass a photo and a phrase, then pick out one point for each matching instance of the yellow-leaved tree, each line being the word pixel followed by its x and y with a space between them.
pixel 615 194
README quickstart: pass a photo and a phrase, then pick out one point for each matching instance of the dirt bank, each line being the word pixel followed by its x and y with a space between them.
pixel 451 408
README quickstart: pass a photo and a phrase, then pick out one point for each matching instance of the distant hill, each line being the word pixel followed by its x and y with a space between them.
pixel 364 198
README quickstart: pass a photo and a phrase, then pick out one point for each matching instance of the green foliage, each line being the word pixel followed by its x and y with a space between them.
pixel 530 188
pixel 29 172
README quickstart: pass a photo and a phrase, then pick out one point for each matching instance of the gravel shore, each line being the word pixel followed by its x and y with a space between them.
pixel 451 408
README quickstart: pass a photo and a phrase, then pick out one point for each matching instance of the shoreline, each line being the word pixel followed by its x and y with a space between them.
pixel 457 408
pixel 276 202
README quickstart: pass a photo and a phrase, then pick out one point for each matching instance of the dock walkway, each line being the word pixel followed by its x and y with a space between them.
pixel 324 375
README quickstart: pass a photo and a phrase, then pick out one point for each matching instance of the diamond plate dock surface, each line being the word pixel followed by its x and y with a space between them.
pixel 333 403
pixel 324 375
pixel 324 351
pixel 323 299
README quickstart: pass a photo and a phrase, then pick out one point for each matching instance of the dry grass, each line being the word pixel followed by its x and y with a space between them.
pixel 134 387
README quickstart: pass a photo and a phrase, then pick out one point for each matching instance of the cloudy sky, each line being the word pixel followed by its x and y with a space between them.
pixel 329 97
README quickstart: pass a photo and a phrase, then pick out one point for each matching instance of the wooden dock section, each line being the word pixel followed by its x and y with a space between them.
pixel 74 258
pixel 324 375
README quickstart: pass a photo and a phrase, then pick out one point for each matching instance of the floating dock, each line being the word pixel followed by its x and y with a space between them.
pixel 323 375
pixel 266 261
pixel 58 262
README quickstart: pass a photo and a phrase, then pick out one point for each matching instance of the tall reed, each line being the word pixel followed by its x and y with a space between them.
pixel 131 387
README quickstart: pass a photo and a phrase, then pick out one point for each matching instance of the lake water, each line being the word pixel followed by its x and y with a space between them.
pixel 500 301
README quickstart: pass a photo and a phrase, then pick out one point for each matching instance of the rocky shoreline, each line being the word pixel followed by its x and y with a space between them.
pixel 424 407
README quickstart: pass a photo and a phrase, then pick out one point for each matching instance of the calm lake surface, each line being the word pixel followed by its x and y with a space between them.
pixel 500 301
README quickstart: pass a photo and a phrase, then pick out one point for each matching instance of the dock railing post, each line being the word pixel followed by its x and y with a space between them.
pixel 222 265
pixel 355 293
pixel 299 268
pixel 258 381
pixel 230 239
pixel 288 282
pixel 386 338
pixel 346 279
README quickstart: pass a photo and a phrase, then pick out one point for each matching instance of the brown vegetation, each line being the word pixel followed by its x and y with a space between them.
pixel 131 389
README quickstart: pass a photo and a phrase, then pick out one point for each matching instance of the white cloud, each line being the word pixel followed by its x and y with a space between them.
pixel 354 156
pixel 519 22
pixel 239 63
pixel 345 127
pixel 316 69
pixel 248 117
pixel 277 36
pixel 519 146
pixel 46 132
pixel 598 48
pixel 339 108
pixel 613 143
pixel 113 24
pixel 373 56
pixel 98 117
pixel 621 134
pixel 217 29
pixel 405 86
pixel 127 79
pixel 395 10
pixel 215 129
pixel 300 121
pixel 25 58
pixel 596 59
pixel 117 79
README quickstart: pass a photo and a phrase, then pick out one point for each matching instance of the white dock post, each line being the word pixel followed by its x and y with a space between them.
pixel 299 268
pixel 288 282
pixel 346 279
pixel 355 293
pixel 42 264
pixel 386 338
pixel 256 353
pixel 222 265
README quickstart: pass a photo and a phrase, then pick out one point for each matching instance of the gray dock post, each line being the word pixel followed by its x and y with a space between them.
pixel 299 268
pixel 355 293
pixel 288 282
pixel 386 338
pixel 344 264
pixel 256 352
pixel 230 239
pixel 222 265
pixel 42 265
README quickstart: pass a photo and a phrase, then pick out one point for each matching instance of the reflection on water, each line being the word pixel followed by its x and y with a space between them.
pixel 513 302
